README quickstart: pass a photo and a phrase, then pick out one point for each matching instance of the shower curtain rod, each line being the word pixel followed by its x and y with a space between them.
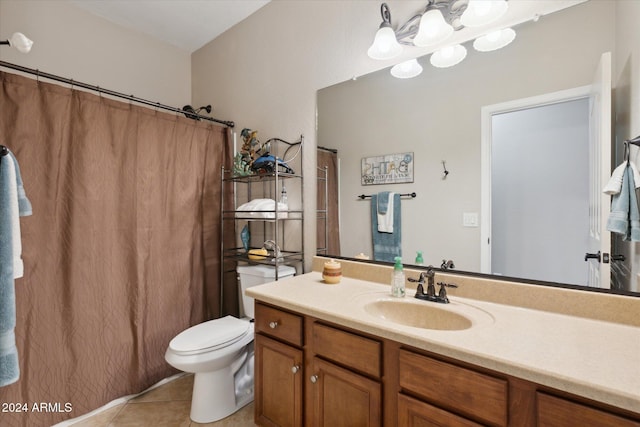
pixel 98 89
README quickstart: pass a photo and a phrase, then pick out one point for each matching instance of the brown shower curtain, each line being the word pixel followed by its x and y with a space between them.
pixel 122 250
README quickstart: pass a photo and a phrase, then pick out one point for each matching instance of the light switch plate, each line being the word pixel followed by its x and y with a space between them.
pixel 470 219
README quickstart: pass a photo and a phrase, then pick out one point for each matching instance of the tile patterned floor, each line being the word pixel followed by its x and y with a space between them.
pixel 164 406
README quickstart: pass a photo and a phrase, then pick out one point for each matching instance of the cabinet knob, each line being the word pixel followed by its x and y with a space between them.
pixel 313 378
pixel 273 324
pixel 295 369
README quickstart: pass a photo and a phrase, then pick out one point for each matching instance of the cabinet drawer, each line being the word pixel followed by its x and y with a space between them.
pixel 467 392
pixel 557 412
pixel 412 412
pixel 351 350
pixel 279 324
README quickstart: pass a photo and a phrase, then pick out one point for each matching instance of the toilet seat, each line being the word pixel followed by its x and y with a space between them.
pixel 210 336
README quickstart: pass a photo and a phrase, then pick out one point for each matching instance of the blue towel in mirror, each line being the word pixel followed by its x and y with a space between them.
pixel 386 246
pixel 624 217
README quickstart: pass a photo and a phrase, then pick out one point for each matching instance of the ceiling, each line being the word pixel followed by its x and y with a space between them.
pixel 187 24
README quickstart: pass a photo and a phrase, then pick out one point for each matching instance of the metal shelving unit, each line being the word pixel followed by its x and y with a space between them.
pixel 285 228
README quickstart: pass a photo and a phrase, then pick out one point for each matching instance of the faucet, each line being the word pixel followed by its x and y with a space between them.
pixel 446 265
pixel 430 295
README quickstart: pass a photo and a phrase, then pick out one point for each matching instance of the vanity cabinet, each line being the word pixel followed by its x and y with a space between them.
pixel 279 361
pixel 465 392
pixel 344 378
pixel 313 373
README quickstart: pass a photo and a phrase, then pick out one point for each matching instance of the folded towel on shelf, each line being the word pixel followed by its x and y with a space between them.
pixel 384 208
pixel 386 246
pixel 261 209
pixel 624 217
pixel 615 182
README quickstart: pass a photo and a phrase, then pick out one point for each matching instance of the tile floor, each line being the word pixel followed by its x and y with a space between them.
pixel 165 406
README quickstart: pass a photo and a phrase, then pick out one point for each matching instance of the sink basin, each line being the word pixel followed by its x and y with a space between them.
pixel 418 314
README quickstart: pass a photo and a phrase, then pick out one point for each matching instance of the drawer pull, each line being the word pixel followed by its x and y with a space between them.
pixel 273 324
pixel 295 369
pixel 313 378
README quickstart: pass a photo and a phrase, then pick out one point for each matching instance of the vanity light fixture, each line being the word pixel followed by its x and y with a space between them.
pixel 483 12
pixel 433 29
pixel 494 40
pixel 385 45
pixel 406 69
pixel 448 56
pixel 19 41
pixel 439 20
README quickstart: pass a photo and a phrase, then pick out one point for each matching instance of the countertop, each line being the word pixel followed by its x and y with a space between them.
pixel 595 359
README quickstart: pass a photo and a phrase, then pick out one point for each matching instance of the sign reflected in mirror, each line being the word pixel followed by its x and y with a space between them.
pixel 437 115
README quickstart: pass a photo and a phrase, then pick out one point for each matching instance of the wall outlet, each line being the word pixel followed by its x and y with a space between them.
pixel 470 219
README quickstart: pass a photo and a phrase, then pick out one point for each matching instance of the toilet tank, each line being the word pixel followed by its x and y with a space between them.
pixel 252 275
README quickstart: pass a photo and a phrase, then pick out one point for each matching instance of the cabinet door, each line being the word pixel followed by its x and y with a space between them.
pixel 278 381
pixel 415 413
pixel 342 398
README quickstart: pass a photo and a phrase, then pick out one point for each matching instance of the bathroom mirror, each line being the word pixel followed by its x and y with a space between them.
pixel 437 117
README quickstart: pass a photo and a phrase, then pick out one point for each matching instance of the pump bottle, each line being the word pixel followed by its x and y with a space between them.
pixel 397 279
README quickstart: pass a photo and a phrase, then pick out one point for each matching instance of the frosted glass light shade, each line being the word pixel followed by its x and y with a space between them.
pixel 385 45
pixel 433 29
pixel 448 56
pixel 483 12
pixel 406 69
pixel 20 42
pixel 494 40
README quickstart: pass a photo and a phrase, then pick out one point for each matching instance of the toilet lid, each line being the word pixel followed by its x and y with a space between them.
pixel 210 335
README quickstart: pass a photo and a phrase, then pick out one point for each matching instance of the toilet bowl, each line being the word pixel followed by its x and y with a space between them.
pixel 220 353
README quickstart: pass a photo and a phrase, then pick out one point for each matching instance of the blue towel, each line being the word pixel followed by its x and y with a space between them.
pixel 9 367
pixel 625 217
pixel 386 246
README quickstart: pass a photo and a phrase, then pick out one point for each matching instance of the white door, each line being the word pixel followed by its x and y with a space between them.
pixel 597 273
pixel 598 253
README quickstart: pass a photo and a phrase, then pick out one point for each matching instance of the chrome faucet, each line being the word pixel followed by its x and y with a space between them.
pixel 430 295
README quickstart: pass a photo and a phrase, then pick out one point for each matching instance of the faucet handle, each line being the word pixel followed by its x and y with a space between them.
pixel 442 293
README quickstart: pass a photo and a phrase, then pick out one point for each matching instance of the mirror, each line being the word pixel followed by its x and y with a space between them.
pixel 437 117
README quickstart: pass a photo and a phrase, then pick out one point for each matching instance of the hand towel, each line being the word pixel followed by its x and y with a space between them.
pixel 384 208
pixel 624 217
pixel 386 246
pixel 615 182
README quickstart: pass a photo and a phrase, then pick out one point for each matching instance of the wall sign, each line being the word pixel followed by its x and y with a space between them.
pixel 388 169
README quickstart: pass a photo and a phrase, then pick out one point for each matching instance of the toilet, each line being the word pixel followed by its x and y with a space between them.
pixel 220 353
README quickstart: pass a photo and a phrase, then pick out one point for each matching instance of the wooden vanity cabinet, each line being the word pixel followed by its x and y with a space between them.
pixel 344 373
pixel 312 373
pixel 279 369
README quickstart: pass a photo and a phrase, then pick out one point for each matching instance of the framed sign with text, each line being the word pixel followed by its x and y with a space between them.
pixel 387 169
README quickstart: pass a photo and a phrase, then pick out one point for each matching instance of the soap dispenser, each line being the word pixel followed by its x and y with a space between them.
pixel 397 279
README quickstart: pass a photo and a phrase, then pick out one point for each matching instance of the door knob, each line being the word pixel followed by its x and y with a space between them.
pixel 618 257
pixel 295 369
pixel 273 325
pixel 313 378
pixel 588 256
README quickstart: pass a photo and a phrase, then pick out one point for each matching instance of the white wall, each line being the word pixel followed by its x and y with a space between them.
pixel 72 43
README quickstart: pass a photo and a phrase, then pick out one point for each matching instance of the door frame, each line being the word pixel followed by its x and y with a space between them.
pixel 486 137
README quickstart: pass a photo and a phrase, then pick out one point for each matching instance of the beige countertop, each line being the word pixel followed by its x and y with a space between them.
pixel 595 359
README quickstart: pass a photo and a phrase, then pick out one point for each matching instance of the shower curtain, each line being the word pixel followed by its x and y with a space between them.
pixel 122 250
